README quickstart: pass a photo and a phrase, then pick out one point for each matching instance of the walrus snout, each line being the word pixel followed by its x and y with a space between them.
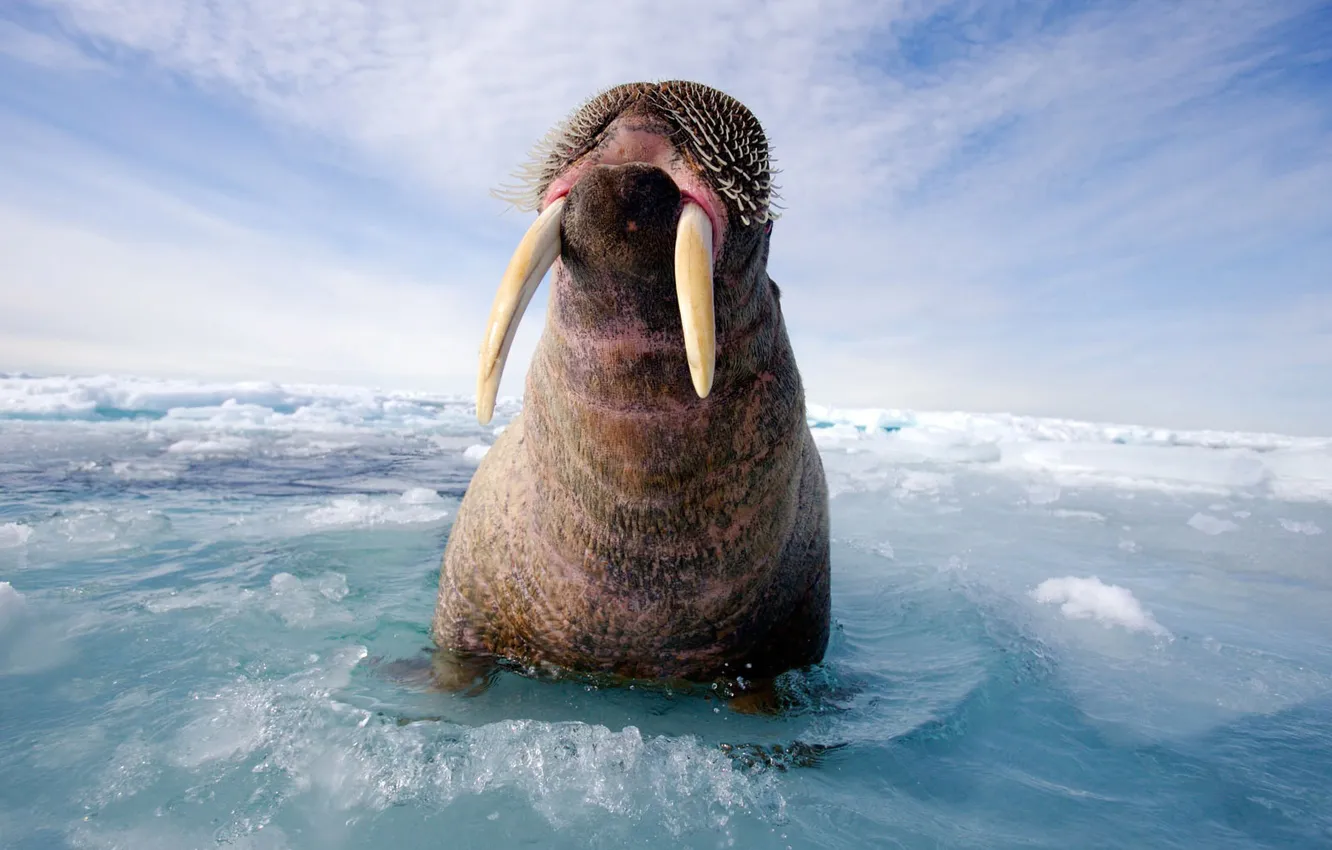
pixel 614 222
pixel 621 220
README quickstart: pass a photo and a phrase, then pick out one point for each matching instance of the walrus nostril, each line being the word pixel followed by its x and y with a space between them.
pixel 597 237
pixel 608 197
pixel 646 188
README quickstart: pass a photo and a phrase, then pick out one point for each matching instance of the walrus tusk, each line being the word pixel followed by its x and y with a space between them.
pixel 531 259
pixel 693 289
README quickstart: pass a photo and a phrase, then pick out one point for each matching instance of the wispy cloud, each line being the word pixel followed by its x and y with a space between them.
pixel 1113 210
pixel 217 302
pixel 44 50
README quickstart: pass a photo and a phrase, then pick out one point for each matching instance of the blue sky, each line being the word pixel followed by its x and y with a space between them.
pixel 1111 211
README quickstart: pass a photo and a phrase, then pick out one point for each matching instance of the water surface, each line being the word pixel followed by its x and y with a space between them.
pixel 1048 634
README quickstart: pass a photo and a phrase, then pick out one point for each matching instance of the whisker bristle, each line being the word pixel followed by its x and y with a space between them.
pixel 717 130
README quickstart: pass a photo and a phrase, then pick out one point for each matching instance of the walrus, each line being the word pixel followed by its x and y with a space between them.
pixel 658 509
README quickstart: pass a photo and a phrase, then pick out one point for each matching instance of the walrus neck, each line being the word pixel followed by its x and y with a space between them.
pixel 613 421
pixel 617 342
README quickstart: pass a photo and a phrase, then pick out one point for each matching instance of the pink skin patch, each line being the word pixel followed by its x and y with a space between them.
pixel 627 145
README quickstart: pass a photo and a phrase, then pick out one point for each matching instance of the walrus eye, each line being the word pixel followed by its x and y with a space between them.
pixel 531 260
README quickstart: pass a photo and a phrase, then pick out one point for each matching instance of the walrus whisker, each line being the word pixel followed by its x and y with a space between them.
pixel 704 117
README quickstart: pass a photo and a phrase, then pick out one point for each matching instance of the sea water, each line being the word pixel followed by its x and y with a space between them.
pixel 1048 634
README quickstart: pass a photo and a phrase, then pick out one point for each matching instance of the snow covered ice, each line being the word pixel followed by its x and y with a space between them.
pixel 1048 633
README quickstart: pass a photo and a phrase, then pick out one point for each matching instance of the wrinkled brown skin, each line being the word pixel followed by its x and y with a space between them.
pixel 621 525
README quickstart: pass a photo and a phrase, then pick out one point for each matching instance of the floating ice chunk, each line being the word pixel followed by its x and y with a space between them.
pixel 1189 467
pixel 227 598
pixel 864 420
pixel 225 445
pixel 449 443
pixel 1295 527
pixel 915 482
pixel 284 583
pixel 1302 474
pixel 930 443
pixel 229 414
pixel 302 602
pixel 1090 516
pixel 331 586
pixel 90 527
pixel 155 835
pixel 83 397
pixel 345 759
pixel 1043 492
pixel 106 529
pixel 143 471
pixel 421 496
pixel 476 452
pixel 314 448
pixel 1086 454
pixel 413 506
pixel 13 535
pixel 11 604
pixel 235 732
pixel 1092 599
pixel 30 640
pixel 1208 524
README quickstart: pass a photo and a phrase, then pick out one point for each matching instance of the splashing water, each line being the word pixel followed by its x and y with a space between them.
pixel 1049 633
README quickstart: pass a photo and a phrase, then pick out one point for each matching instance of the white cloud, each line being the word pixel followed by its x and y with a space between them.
pixel 220 302
pixel 1070 218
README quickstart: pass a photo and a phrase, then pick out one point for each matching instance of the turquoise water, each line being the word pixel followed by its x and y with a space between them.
pixel 1049 634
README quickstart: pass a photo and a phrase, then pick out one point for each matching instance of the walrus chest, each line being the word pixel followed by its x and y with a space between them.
pixel 647 618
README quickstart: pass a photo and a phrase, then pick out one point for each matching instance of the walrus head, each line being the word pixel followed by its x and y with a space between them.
pixel 657 200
